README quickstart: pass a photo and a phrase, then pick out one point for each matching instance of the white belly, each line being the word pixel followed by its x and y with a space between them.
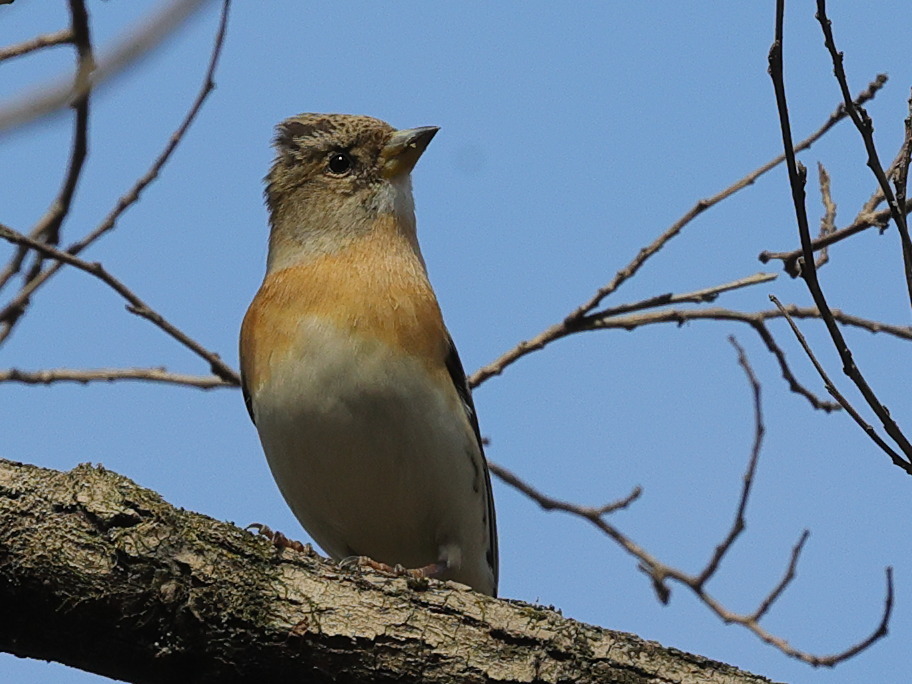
pixel 372 458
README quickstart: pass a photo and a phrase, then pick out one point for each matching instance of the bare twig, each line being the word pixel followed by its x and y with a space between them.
pixel 660 574
pixel 48 227
pixel 877 197
pixel 613 318
pixel 37 43
pixel 828 220
pixel 738 525
pixel 901 168
pixel 16 306
pixel 559 330
pixel 575 323
pixel 704 204
pixel 797 178
pixel 134 43
pixel 708 294
pixel 681 316
pixel 787 578
pixel 85 376
pixel 865 127
pixel 790 259
pixel 136 305
pixel 757 320
pixel 879 632
pixel 837 395
pixel 549 503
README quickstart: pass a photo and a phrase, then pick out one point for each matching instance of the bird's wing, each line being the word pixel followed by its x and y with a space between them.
pixel 248 400
pixel 457 374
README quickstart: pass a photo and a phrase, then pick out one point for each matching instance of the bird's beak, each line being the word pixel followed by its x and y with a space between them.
pixel 403 150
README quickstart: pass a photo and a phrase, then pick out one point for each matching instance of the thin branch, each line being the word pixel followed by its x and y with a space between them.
pixel 61 37
pixel 660 574
pixel 865 127
pixel 559 330
pixel 708 294
pixel 901 168
pixel 574 323
pixel 828 220
pixel 549 503
pixel 16 306
pixel 85 376
pixel 136 305
pixel 682 316
pixel 837 395
pixel 48 227
pixel 797 178
pixel 133 44
pixel 759 430
pixel 612 318
pixel 868 217
pixel 790 259
pixel 879 633
pixel 798 388
pixel 704 204
pixel 877 197
pixel 787 578
pixel 757 320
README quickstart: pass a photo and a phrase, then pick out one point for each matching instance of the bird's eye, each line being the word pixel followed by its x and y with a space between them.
pixel 339 164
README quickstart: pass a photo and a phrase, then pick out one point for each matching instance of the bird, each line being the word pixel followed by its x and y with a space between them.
pixel 348 371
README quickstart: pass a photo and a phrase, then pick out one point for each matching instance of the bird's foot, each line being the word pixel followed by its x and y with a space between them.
pixel 417 577
pixel 278 539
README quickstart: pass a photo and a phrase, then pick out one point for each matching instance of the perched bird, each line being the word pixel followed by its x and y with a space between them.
pixel 349 373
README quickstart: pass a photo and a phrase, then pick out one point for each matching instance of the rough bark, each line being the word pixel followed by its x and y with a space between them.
pixel 103 575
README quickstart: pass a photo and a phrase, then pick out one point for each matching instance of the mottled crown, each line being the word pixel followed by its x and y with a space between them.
pixel 304 142
pixel 321 132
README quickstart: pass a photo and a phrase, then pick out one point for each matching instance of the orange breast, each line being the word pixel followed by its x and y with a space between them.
pixel 375 287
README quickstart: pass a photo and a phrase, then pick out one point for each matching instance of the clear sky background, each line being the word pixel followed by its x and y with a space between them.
pixel 571 135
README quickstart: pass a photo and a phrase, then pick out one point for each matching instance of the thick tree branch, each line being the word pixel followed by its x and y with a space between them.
pixel 99 573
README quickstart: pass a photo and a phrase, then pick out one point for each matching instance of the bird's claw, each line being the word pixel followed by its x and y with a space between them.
pixel 278 539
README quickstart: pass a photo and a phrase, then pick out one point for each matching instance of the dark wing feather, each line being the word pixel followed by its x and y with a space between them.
pixel 457 374
pixel 248 400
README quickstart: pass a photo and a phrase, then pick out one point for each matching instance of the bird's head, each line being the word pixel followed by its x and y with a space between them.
pixel 334 177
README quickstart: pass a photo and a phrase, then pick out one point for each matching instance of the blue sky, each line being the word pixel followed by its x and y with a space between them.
pixel 571 135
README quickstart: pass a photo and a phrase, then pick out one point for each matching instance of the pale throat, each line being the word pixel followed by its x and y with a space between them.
pixel 302 235
pixel 395 198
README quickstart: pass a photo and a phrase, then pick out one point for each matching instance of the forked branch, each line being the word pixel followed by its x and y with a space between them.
pixel 660 574
pixel 797 180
